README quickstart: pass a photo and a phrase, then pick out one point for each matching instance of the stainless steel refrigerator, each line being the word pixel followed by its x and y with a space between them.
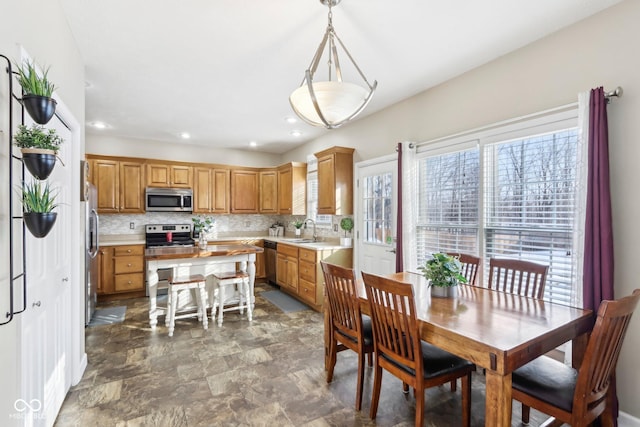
pixel 91 252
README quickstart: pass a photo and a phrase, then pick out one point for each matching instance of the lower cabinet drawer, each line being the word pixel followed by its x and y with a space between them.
pixel 128 264
pixel 307 291
pixel 129 282
pixel 307 271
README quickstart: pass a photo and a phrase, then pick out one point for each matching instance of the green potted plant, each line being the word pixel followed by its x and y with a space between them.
pixel 444 274
pixel 38 203
pixel 297 223
pixel 37 91
pixel 346 224
pixel 201 226
pixel 39 148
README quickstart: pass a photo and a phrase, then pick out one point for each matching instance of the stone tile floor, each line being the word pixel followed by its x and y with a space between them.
pixel 269 372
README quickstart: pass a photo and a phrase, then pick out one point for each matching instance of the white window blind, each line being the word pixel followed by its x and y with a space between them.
pixel 448 206
pixel 530 204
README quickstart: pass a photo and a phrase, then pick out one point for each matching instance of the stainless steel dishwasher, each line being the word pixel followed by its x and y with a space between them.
pixel 270 251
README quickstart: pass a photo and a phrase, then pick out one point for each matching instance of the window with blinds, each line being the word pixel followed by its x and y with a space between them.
pixel 504 198
pixel 530 204
pixel 448 209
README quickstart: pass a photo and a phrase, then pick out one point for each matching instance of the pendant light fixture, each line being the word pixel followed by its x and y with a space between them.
pixel 333 102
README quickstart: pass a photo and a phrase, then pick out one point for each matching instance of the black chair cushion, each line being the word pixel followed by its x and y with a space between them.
pixel 548 380
pixel 367 332
pixel 436 362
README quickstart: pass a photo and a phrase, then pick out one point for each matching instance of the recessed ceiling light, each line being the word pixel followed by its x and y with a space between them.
pixel 290 119
pixel 295 133
pixel 253 144
pixel 98 125
pixel 185 135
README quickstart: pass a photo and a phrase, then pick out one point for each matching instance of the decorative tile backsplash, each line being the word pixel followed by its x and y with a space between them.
pixel 225 225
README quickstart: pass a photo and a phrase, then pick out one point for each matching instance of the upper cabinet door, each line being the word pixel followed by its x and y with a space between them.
pixel 335 181
pixel 131 188
pixel 269 191
pixel 244 191
pixel 292 189
pixel 168 175
pixel 106 177
pixel 202 190
pixel 221 191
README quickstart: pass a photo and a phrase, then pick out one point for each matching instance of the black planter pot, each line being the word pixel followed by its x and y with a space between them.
pixel 39 164
pixel 40 108
pixel 39 224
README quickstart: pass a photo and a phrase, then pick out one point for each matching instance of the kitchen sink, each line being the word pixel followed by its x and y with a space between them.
pixel 298 240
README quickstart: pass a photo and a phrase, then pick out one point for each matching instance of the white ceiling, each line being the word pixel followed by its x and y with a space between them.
pixel 223 70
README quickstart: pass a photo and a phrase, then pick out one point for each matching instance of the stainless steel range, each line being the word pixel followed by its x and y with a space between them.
pixel 162 235
pixel 167 235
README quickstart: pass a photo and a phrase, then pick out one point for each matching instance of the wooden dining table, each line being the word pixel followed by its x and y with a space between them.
pixel 495 330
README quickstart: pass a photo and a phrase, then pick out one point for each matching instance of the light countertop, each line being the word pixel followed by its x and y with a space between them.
pixel 138 239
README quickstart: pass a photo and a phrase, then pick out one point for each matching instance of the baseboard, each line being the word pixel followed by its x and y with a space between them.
pixel 626 420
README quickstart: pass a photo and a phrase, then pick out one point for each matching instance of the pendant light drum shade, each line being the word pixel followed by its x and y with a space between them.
pixel 337 101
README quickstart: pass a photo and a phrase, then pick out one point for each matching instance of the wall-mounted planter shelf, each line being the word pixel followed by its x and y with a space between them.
pixel 39 163
pixel 40 108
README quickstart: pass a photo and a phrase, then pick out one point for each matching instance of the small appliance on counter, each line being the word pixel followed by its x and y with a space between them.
pixel 276 230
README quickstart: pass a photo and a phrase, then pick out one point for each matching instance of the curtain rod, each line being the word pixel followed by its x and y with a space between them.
pixel 617 92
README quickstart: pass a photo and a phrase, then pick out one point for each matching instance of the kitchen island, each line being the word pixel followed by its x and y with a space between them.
pixel 194 260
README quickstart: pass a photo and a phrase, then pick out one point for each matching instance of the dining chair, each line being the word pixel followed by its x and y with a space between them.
pixel 519 277
pixel 349 328
pixel 578 397
pixel 400 351
pixel 470 267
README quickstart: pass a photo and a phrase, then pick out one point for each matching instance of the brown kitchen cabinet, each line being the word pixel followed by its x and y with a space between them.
pixel 335 181
pixel 211 190
pixel 269 191
pixel 244 191
pixel 309 286
pixel 119 183
pixel 292 189
pixel 287 268
pixel 121 271
pixel 169 175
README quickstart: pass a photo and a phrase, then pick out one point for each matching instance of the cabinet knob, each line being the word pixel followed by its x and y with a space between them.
pixel 129 282
pixel 129 265
pixel 129 250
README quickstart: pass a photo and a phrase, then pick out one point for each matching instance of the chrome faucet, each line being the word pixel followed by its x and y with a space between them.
pixel 315 235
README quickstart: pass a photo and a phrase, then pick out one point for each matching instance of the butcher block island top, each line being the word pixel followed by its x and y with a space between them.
pixel 177 252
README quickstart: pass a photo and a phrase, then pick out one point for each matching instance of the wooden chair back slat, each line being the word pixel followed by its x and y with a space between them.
pixel 470 267
pixel 394 321
pixel 518 277
pixel 601 356
pixel 344 307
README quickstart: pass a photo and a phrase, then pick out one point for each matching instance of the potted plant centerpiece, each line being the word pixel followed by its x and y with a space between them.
pixel 39 148
pixel 38 203
pixel 346 224
pixel 201 226
pixel 443 273
pixel 298 223
pixel 37 93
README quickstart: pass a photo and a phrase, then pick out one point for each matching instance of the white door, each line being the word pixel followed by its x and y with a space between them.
pixel 47 322
pixel 375 217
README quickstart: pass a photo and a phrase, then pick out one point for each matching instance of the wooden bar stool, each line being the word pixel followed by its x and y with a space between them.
pixel 231 289
pixel 177 284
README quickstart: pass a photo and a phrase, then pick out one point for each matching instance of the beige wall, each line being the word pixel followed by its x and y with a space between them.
pixel 600 51
pixel 110 146
pixel 46 38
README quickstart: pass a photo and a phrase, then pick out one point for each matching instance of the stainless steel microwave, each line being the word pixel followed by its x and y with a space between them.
pixel 168 199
